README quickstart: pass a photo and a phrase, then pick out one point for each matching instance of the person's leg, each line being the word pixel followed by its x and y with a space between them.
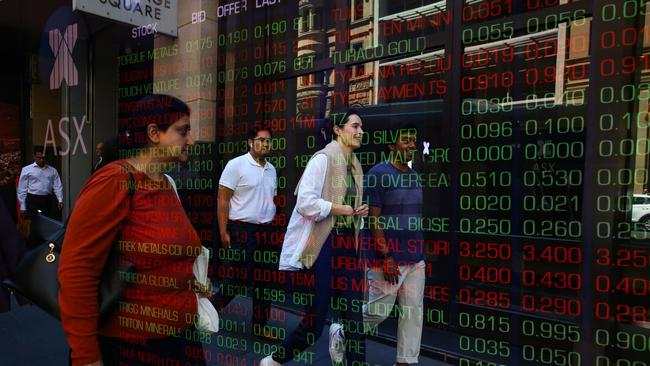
pixel 381 299
pixel 349 293
pixel 44 203
pixel 409 324
pixel 182 351
pixel 187 350
pixel 32 206
pixel 36 203
pixel 117 351
pixel 110 348
pixel 318 297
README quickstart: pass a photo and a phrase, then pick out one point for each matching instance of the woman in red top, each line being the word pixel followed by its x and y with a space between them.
pixel 153 322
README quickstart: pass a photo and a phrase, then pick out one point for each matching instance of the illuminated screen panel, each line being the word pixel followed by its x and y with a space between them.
pixel 516 116
pixel 530 151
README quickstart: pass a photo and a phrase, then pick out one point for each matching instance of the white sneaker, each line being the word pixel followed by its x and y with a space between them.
pixel 269 361
pixel 337 342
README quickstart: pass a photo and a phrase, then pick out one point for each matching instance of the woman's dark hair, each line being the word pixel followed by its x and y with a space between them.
pixel 338 119
pixel 402 127
pixel 159 109
pixel 252 132
pixel 345 116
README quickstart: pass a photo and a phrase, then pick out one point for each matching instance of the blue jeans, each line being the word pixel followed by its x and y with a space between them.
pixel 338 285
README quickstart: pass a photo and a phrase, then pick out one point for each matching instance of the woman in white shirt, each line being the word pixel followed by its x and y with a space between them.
pixel 321 242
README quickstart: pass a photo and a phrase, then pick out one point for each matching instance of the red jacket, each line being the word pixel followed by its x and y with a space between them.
pixel 157 237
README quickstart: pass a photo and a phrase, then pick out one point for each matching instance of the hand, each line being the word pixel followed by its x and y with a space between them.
pixel 60 205
pixel 347 210
pixel 391 271
pixel 361 211
pixel 225 239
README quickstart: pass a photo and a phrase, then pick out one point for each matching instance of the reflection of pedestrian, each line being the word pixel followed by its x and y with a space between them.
pixel 106 152
pixel 8 190
pixel 395 195
pixel 99 152
pixel 153 323
pixel 246 208
pixel 35 186
pixel 321 241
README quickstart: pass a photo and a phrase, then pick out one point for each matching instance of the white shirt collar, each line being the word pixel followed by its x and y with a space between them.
pixel 252 160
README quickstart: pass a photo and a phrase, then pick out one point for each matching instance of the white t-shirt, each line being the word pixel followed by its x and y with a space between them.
pixel 254 187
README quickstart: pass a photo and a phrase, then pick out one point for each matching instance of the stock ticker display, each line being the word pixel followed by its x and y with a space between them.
pixel 532 151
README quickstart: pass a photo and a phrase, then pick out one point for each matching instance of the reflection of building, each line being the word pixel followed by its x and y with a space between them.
pixel 549 66
pixel 642 158
pixel 360 77
pixel 418 76
pixel 311 41
pixel 317 35
pixel 393 30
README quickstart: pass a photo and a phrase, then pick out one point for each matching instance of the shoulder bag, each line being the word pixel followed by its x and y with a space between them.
pixel 35 277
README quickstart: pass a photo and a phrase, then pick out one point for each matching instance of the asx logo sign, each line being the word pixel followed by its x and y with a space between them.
pixel 62 46
pixel 64 37
pixel 64 40
pixel 64 126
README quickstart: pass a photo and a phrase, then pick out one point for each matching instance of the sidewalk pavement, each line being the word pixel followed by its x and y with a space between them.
pixel 30 337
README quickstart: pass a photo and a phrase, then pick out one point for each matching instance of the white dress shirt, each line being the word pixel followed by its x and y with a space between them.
pixel 254 187
pixel 310 208
pixel 40 181
pixel 101 158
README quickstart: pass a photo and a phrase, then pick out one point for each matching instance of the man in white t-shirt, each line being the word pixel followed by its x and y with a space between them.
pixel 246 209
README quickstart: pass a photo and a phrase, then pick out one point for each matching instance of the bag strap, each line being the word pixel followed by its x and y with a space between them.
pixel 173 184
pixel 131 179
pixel 131 186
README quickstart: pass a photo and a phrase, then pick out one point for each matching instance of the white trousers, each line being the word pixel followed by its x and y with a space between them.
pixel 409 290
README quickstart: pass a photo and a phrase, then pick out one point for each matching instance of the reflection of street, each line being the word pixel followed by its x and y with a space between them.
pixel 31 337
pixel 23 346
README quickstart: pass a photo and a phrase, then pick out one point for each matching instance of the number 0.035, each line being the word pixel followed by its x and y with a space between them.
pixel 484 346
